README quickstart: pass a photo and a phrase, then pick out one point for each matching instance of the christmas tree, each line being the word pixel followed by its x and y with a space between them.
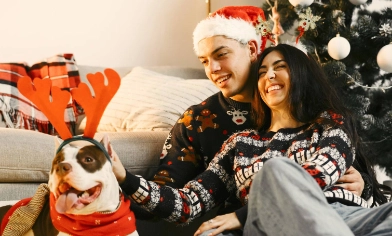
pixel 350 61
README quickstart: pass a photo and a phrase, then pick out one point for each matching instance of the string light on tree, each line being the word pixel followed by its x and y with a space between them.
pixel 358 2
pixel 384 58
pixel 338 47
pixel 303 3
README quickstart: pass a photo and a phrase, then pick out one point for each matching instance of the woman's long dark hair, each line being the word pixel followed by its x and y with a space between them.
pixel 310 94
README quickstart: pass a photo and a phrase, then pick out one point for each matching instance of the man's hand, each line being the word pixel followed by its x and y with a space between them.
pixel 117 166
pixel 352 181
pixel 220 224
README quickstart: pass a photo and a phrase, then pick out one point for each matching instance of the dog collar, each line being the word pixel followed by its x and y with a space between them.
pixel 81 138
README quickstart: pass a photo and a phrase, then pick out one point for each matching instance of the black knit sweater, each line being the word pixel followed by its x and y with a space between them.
pixel 325 152
pixel 197 136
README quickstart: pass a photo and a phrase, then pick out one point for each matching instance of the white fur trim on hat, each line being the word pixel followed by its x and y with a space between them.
pixel 233 28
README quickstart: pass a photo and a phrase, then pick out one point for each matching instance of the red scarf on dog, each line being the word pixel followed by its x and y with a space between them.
pixel 120 222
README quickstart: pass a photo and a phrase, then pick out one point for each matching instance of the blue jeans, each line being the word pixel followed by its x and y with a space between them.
pixel 285 200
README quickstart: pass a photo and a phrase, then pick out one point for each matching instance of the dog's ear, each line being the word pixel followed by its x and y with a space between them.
pixel 109 148
pixel 106 144
pixel 57 142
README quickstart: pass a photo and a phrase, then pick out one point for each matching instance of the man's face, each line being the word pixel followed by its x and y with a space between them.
pixel 227 64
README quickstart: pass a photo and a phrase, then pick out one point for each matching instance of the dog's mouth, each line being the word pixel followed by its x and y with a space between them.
pixel 70 198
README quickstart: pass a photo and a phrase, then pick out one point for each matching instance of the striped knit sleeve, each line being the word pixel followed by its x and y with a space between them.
pixel 198 196
pixel 332 155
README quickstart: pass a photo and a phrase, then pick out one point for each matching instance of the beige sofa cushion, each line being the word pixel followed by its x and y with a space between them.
pixel 27 155
pixel 151 101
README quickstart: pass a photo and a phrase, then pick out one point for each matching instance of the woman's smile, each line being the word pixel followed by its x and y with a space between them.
pixel 274 81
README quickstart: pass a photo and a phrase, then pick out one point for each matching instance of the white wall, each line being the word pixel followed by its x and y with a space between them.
pixel 102 32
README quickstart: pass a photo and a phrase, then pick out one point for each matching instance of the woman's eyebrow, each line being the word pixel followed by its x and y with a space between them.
pixel 275 62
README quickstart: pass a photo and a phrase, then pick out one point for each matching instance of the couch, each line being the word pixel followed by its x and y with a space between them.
pixel 26 155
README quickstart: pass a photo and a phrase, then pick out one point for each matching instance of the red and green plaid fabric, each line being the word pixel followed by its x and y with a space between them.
pixel 19 112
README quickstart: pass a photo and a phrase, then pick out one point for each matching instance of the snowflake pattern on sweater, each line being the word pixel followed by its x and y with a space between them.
pixel 325 152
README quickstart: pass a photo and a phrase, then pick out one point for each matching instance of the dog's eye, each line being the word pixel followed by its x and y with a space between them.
pixel 88 159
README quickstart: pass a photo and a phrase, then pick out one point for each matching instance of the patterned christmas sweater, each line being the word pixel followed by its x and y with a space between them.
pixel 197 137
pixel 324 151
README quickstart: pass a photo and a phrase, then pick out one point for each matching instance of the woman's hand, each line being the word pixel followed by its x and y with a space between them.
pixel 352 181
pixel 220 224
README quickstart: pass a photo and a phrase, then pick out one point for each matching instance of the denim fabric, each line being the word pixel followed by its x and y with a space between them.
pixel 285 200
pixel 367 221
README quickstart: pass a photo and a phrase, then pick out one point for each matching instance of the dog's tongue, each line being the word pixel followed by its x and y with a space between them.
pixel 66 200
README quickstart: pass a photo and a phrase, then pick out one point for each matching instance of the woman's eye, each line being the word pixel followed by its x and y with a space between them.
pixel 261 74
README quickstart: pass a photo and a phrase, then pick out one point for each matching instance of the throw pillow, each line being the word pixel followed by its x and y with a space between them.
pixel 147 100
pixel 16 111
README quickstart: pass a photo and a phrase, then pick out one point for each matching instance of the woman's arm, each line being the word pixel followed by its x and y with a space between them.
pixel 333 155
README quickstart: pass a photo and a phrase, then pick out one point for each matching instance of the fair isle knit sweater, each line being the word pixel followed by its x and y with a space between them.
pixel 325 152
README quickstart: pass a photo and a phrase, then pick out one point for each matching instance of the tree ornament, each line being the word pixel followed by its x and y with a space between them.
pixel 385 30
pixel 303 3
pixel 307 21
pixel 384 58
pixel 338 47
pixel 263 27
pixel 358 2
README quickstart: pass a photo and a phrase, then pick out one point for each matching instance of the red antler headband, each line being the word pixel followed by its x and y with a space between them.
pixel 52 102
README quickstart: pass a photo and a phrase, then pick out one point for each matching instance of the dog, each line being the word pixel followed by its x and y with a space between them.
pixel 84 198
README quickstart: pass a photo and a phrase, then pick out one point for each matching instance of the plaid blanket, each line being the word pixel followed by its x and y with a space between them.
pixel 19 112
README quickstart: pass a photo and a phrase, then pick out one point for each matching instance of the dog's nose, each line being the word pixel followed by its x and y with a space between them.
pixel 64 168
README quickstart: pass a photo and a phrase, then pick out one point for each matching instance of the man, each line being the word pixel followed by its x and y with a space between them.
pixel 227 44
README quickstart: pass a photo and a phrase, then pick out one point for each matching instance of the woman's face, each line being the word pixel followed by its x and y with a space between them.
pixel 274 81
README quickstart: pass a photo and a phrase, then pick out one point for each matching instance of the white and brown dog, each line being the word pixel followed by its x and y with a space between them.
pixel 85 198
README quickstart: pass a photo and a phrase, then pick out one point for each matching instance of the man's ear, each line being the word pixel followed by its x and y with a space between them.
pixel 253 49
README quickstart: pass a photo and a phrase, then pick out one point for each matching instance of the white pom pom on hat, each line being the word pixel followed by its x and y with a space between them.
pixel 234 22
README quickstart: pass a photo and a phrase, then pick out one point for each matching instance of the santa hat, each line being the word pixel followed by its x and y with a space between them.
pixel 241 23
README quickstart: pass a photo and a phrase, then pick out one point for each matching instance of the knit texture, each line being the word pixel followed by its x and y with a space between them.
pixel 197 136
pixel 324 151
pixel 21 217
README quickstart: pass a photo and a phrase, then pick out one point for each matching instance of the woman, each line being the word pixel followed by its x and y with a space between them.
pixel 295 109
pixel 298 117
